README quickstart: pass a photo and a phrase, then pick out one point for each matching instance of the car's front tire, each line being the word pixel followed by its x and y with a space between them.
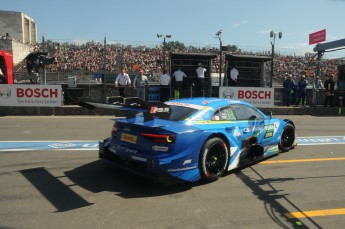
pixel 213 159
pixel 287 138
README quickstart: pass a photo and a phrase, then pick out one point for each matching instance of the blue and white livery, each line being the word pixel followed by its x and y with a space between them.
pixel 193 139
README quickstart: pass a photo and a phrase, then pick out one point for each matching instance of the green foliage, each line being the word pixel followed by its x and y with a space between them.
pixel 175 46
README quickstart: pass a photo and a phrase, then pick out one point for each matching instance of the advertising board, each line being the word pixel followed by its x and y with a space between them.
pixel 30 95
pixel 257 96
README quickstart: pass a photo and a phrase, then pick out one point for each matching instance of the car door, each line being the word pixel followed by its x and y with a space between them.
pixel 251 123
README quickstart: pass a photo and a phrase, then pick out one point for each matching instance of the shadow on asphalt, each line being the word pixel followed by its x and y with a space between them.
pixel 101 176
pixel 97 176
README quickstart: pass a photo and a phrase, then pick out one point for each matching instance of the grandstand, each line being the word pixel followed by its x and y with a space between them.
pixel 85 59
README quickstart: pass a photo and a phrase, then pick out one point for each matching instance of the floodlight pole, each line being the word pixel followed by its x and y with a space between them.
pixel 164 46
pixel 104 70
pixel 273 36
pixel 220 58
pixel 44 67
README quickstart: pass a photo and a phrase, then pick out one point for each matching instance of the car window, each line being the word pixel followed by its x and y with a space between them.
pixel 244 112
pixel 179 113
pixel 224 114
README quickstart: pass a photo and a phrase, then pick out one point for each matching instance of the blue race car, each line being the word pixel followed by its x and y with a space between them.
pixel 192 139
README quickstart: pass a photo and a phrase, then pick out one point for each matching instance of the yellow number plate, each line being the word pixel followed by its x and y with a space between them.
pixel 129 138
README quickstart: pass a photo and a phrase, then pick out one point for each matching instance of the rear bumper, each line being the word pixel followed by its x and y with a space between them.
pixel 144 167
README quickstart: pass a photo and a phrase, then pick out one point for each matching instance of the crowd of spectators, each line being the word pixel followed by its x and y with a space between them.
pixel 6 37
pixel 300 65
pixel 89 57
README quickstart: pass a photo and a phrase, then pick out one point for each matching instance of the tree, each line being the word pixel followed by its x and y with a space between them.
pixel 175 46
pixel 231 48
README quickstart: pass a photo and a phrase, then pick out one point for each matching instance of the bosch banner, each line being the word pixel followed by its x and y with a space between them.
pixel 30 95
pixel 257 96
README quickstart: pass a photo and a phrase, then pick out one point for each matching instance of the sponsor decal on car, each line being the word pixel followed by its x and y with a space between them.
pixel 271 129
pixel 125 149
pixel 238 134
pixel 182 169
pixel 160 148
pixel 187 162
pixel 155 110
pixel 129 138
pixel 139 159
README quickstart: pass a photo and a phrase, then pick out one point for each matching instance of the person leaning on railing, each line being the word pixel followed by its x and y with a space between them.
pixel 317 87
pixel 141 82
pixel 122 81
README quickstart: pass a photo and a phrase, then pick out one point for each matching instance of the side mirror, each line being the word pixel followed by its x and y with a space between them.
pixel 269 114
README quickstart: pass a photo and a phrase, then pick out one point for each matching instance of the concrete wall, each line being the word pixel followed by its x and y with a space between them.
pixel 19 26
pixel 95 92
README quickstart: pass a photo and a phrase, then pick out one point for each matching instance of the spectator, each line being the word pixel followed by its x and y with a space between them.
pixel 295 94
pixel 200 73
pixel 165 82
pixel 233 76
pixel 317 86
pixel 122 81
pixel 302 93
pixel 141 82
pixel 98 78
pixel 288 86
pixel 329 90
pixel 178 77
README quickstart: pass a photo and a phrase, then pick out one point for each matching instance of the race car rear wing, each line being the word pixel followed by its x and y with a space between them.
pixel 134 104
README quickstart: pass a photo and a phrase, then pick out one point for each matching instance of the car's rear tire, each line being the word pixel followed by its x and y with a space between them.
pixel 287 138
pixel 213 159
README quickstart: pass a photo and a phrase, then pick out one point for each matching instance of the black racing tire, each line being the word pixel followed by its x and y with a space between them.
pixel 213 159
pixel 287 138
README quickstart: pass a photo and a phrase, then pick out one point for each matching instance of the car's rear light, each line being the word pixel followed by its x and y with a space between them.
pixel 160 138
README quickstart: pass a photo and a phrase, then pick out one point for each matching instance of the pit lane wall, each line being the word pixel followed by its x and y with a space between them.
pixel 58 100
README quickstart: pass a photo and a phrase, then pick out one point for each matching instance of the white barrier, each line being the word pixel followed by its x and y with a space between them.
pixel 30 95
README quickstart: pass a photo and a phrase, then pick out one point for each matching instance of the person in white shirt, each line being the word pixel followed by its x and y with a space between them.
pixel 165 81
pixel 179 75
pixel 233 76
pixel 122 81
pixel 200 73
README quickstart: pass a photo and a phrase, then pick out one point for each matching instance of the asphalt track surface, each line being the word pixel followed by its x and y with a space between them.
pixel 50 177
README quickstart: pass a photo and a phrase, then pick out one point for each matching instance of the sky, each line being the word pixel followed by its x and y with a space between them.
pixel 244 23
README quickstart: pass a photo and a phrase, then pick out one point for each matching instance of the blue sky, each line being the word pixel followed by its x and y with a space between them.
pixel 245 23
